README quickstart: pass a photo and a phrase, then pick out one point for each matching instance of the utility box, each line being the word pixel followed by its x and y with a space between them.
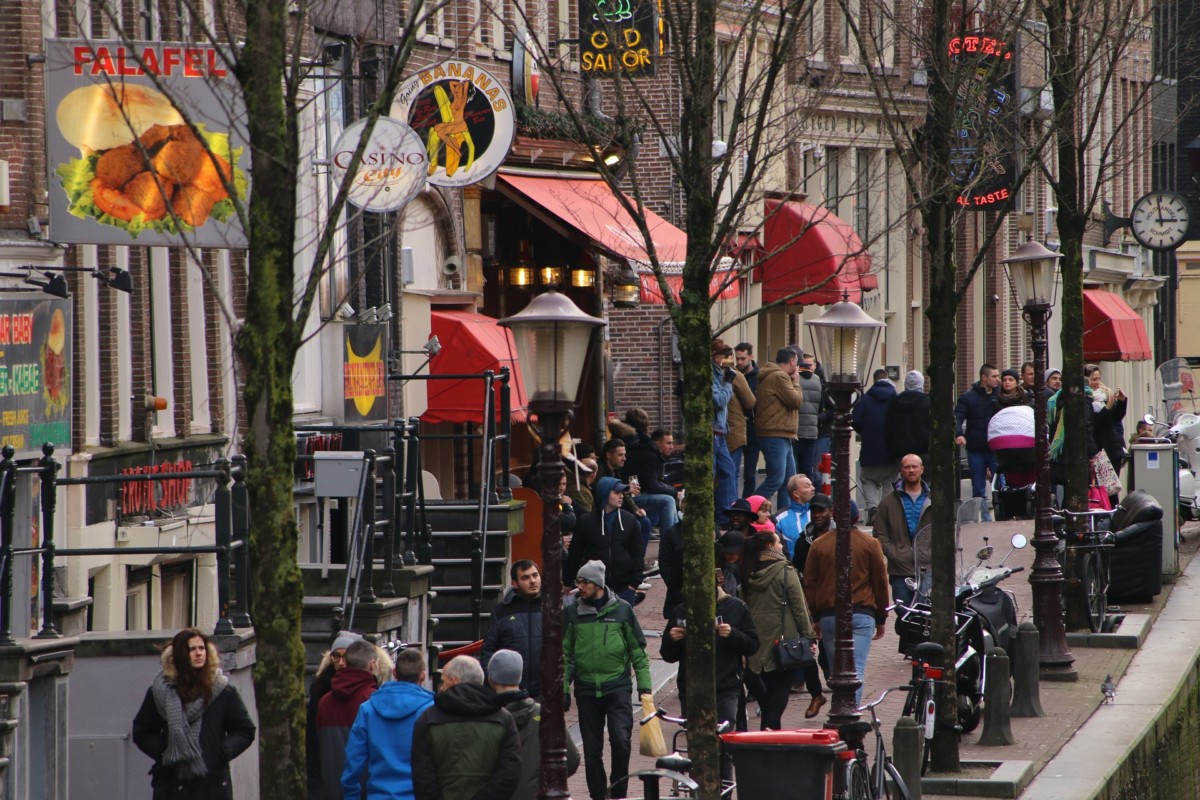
pixel 1156 471
pixel 338 473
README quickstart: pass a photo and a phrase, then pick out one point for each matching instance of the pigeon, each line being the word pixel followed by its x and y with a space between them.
pixel 1108 689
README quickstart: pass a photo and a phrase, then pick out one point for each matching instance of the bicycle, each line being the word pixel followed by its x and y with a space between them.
pixel 1094 560
pixel 870 782
pixel 921 703
pixel 676 766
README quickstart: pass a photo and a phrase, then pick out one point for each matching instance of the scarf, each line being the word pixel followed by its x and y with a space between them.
pixel 1016 397
pixel 183 726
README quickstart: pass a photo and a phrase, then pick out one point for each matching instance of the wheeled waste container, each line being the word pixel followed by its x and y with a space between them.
pixel 784 765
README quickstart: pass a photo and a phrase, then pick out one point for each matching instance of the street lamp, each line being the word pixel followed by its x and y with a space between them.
pixel 844 339
pixel 1030 270
pixel 552 336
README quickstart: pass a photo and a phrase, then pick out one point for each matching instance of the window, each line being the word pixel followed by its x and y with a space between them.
pixel 862 194
pixel 726 79
pixel 816 30
pixel 883 33
pixel 851 18
pixel 137 599
pixel 177 589
pixel 148 20
pixel 832 178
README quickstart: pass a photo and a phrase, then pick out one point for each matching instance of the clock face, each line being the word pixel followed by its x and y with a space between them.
pixel 1160 220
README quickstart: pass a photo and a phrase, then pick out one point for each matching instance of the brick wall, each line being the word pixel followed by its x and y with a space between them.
pixel 640 347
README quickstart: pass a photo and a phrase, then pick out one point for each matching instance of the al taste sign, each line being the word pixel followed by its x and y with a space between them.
pixel 983 161
pixel 619 36
pixel 35 375
pixel 463 115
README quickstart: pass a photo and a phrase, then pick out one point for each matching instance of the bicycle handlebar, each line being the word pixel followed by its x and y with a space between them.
pixel 1099 512
pixel 723 726
pixel 868 706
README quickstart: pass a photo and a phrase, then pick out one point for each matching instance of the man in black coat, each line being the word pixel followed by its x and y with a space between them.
pixel 907 420
pixel 972 414
pixel 735 637
pixel 612 535
pixel 646 460
pixel 517 625
pixel 743 359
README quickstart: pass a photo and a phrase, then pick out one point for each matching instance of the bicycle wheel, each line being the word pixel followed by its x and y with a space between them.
pixel 1093 590
pixel 898 788
pixel 858 782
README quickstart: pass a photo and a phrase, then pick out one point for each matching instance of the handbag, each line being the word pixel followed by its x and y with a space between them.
pixel 1105 476
pixel 1098 499
pixel 797 652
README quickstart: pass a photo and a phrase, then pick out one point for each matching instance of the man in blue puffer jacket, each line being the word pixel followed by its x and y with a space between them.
pixel 877 469
pixel 972 413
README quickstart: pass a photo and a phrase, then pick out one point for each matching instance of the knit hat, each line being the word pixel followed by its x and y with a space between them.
pixel 592 572
pixel 344 640
pixel 914 382
pixel 853 513
pixel 1051 372
pixel 506 668
pixel 821 500
pixel 1011 373
pixel 755 502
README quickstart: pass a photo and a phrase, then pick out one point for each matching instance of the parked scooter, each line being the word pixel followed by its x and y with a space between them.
pixel 984 616
pixel 1180 423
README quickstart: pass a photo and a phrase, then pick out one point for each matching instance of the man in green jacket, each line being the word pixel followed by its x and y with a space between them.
pixel 601 641
pixel 465 746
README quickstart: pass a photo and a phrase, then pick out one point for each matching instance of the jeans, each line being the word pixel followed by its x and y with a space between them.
pixel 980 463
pixel 806 458
pixel 615 709
pixel 736 457
pixel 781 465
pixel 864 630
pixel 726 474
pixel 900 591
pixel 731 707
pixel 660 509
pixel 750 453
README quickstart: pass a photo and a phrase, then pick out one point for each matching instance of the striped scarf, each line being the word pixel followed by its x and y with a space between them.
pixel 1060 430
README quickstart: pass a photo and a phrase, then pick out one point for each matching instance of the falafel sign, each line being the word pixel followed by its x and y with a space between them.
pixel 465 117
pixel 125 165
pixel 35 377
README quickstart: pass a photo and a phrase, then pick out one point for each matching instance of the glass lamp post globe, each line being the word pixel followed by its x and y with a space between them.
pixel 1031 273
pixel 551 335
pixel 844 340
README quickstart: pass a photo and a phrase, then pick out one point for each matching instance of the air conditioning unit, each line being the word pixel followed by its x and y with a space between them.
pixel 1036 103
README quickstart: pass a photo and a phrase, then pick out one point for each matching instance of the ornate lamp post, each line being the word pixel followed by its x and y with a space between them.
pixel 552 336
pixel 844 339
pixel 1030 270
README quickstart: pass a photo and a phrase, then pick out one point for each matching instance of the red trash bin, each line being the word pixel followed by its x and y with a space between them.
pixel 784 765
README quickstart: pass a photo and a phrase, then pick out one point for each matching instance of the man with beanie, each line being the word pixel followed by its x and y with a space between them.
pixel 609 534
pixel 807 418
pixel 504 673
pixel 517 623
pixel 350 688
pixel 465 746
pixel 907 420
pixel 779 401
pixel 381 739
pixel 602 640
pixel 972 413
pixel 877 468
pixel 735 637
pixel 330 665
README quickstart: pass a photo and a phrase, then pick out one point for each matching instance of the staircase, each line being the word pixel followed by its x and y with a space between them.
pixel 453 543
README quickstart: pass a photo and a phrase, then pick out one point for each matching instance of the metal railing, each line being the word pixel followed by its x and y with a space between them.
pixel 231 534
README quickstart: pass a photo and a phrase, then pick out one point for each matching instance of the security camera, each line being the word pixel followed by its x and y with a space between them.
pixel 344 312
pixel 719 148
pixel 818 153
pixel 451 266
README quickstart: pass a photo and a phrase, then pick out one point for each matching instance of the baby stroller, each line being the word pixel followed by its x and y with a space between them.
pixel 1010 435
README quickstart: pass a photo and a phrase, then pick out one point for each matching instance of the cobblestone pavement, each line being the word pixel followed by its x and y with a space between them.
pixel 1066 705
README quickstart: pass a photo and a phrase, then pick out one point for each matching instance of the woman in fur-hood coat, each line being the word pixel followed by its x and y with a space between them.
pixel 192 723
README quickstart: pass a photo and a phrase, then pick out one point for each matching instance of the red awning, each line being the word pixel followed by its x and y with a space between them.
pixel 589 207
pixel 722 286
pixel 471 344
pixel 812 251
pixel 1112 331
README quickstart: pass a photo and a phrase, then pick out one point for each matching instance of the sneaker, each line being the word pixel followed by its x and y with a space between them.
pixel 654 537
pixel 643 586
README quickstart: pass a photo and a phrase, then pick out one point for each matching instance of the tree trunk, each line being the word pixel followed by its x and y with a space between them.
pixel 267 343
pixel 695 333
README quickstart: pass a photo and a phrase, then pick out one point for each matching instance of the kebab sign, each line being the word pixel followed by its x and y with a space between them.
pixel 146 144
pixel 35 374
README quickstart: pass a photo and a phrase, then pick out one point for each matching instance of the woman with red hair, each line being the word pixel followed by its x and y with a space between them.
pixel 192 722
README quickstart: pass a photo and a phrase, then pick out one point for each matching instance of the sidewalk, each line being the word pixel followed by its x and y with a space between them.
pixel 1068 706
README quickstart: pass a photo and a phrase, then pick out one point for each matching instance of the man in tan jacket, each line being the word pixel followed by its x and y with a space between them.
pixel 776 415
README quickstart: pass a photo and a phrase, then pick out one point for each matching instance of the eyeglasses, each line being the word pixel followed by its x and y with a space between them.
pixel 338 655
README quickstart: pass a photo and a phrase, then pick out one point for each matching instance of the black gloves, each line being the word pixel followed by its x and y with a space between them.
pixel 729 375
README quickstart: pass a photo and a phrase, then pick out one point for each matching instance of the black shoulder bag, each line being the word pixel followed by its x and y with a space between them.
pixel 795 653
